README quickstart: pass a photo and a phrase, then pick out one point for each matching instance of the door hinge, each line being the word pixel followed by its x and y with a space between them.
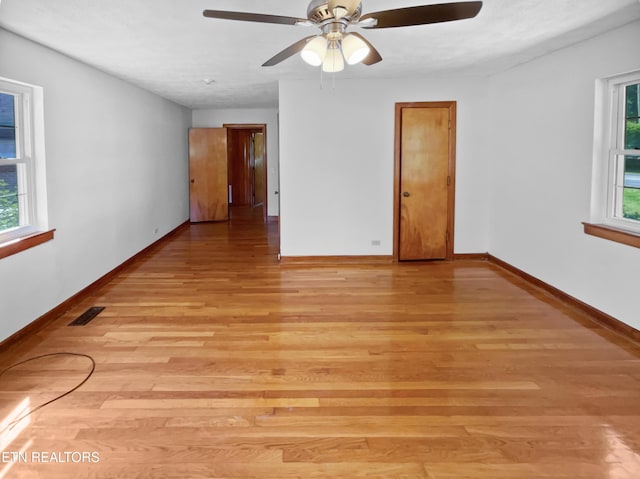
pixel 447 237
pixel 449 124
pixel 448 181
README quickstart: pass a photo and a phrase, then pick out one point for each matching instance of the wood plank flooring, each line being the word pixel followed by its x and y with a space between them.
pixel 214 361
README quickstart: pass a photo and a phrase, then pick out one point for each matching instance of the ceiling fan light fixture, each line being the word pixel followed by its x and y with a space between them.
pixel 354 49
pixel 315 51
pixel 333 60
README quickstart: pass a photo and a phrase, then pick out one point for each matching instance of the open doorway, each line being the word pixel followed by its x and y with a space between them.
pixel 247 160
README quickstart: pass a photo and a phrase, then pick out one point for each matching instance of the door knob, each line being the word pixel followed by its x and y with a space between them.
pixel 406 194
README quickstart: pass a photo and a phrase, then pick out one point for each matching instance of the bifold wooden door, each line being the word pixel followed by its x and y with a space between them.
pixel 425 183
pixel 208 191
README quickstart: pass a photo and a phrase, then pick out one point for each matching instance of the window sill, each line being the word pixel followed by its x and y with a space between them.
pixel 613 234
pixel 20 244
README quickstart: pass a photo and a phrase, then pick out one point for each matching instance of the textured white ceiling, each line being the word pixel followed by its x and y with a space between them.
pixel 169 48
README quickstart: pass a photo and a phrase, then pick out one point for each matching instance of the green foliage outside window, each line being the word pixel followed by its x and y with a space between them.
pixel 9 214
pixel 631 204
pixel 631 199
pixel 632 130
pixel 632 136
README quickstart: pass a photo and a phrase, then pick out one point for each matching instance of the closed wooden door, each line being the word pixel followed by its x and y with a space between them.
pixel 208 194
pixel 425 183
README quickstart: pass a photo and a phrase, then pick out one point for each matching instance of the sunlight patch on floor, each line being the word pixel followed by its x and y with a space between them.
pixel 11 427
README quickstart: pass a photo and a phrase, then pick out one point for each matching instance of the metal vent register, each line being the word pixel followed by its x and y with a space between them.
pixel 87 316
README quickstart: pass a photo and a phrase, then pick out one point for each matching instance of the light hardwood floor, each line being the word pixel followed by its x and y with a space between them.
pixel 213 361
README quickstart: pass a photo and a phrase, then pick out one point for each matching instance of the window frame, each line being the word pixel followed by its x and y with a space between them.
pixel 29 131
pixel 609 153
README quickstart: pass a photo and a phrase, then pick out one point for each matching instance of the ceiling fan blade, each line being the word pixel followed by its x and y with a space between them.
pixel 422 15
pixel 374 56
pixel 349 5
pixel 254 17
pixel 288 52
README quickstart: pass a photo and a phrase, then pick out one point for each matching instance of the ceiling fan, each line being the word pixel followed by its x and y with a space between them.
pixel 335 45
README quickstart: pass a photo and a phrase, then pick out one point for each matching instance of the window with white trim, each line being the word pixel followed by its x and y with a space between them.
pixel 22 188
pixel 616 186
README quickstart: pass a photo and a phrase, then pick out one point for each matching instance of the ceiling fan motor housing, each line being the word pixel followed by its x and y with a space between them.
pixel 318 12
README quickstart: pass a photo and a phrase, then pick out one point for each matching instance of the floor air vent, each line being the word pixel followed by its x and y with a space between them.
pixel 87 316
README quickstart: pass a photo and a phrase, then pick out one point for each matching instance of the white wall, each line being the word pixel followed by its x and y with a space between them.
pixel 541 143
pixel 337 158
pixel 216 118
pixel 117 167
